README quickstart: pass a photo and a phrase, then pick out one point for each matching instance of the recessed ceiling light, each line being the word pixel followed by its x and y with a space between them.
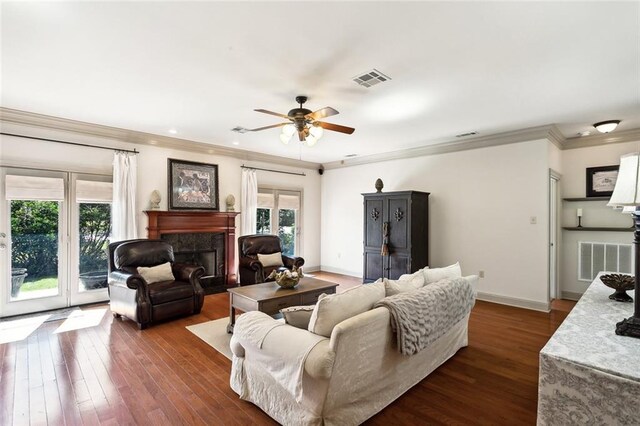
pixel 173 131
pixel 606 126
pixel 583 134
pixel 152 142
pixel 235 143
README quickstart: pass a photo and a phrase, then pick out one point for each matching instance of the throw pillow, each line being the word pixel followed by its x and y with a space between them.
pixel 332 309
pixel 298 316
pixel 437 274
pixel 392 287
pixel 473 281
pixel 155 274
pixel 419 272
pixel 267 260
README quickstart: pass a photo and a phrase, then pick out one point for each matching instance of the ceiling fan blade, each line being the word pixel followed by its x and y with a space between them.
pixel 336 127
pixel 267 127
pixel 322 113
pixel 302 135
pixel 277 114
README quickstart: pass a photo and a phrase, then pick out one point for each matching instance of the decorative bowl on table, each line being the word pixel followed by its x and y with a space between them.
pixel 286 278
pixel 621 284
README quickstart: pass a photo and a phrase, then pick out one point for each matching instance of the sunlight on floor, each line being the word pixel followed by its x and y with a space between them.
pixel 19 329
pixel 82 319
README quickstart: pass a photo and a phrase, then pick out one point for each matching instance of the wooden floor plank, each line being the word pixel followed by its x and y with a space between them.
pixel 115 374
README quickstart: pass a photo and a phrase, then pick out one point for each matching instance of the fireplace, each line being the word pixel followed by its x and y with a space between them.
pixel 200 238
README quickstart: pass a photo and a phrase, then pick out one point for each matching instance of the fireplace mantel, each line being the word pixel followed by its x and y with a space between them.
pixel 194 221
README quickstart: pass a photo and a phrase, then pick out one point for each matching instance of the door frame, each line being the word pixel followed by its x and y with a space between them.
pixel 554 243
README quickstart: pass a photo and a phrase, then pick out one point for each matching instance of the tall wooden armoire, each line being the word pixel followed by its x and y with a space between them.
pixel 402 220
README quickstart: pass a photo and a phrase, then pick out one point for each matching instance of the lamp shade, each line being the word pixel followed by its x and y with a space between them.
pixel 627 189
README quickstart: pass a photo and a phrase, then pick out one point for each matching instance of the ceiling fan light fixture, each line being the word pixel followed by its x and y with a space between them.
pixel 606 126
pixel 316 131
pixel 285 138
pixel 288 130
pixel 311 140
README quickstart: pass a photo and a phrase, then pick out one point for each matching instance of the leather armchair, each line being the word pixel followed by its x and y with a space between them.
pixel 131 296
pixel 250 268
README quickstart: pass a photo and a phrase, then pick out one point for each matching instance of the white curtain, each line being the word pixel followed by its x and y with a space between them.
pixel 249 202
pixel 123 210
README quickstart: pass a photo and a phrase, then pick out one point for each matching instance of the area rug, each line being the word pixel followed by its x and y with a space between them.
pixel 214 333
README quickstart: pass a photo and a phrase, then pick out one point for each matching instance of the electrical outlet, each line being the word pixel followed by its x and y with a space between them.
pixel 481 274
pixel 533 220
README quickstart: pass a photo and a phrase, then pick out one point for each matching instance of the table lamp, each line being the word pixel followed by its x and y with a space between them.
pixel 627 194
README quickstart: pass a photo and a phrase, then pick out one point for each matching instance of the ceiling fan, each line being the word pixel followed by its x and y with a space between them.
pixel 305 123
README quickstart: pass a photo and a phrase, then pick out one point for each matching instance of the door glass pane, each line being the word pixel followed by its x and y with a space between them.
pixel 287 230
pixel 34 248
pixel 263 222
pixel 94 230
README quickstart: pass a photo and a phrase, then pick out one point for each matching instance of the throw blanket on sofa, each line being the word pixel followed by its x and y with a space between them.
pixel 421 316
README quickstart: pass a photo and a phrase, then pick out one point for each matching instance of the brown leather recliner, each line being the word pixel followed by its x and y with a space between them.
pixel 251 270
pixel 131 296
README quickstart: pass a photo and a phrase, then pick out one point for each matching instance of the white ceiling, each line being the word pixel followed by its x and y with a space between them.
pixel 202 68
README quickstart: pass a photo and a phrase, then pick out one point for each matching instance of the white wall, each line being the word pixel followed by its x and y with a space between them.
pixel 152 174
pixel 595 213
pixel 480 208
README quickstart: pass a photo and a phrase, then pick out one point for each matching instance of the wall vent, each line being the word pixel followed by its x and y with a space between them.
pixel 240 129
pixel 371 78
pixel 462 135
pixel 594 257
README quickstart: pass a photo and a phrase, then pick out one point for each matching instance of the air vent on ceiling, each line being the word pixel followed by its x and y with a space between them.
pixel 463 135
pixel 240 129
pixel 371 78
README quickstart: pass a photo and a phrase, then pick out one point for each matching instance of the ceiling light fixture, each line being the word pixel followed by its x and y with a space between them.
pixel 606 126
pixel 235 143
pixel 173 131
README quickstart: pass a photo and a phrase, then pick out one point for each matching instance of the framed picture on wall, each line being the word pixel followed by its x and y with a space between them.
pixel 192 186
pixel 601 180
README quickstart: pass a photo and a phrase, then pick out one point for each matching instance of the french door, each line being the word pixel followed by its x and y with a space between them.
pixel 53 234
pixel 279 212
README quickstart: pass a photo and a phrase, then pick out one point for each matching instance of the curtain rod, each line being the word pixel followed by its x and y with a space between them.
pixel 271 170
pixel 70 143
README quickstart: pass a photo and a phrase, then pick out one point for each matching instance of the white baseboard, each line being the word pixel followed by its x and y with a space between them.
pixel 513 301
pixel 325 268
pixel 571 295
pixel 306 268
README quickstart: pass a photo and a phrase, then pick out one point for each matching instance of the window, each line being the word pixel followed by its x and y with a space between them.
pixel 279 213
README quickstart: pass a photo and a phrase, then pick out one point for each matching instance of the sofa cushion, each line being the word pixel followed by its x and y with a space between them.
pixel 334 308
pixel 298 316
pixel 436 274
pixel 274 259
pixel 154 274
pixel 419 272
pixel 392 287
pixel 170 291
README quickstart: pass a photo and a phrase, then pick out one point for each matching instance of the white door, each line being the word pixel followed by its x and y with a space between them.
pixel 33 227
pixel 53 235
pixel 553 237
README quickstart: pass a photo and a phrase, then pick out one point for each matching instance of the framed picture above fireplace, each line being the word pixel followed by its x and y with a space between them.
pixel 192 186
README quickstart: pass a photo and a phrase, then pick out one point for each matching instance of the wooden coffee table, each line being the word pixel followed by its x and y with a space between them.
pixel 270 298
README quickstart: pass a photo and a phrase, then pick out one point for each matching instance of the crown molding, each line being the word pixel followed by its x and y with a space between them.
pixel 631 135
pixel 549 132
pixel 23 122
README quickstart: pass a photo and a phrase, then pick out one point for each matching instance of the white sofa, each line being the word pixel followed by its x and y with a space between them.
pixel 348 377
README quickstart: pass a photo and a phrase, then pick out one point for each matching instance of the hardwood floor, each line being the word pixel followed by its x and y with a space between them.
pixel 112 373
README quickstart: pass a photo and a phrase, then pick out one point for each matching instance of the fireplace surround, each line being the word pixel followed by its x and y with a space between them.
pixel 200 237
